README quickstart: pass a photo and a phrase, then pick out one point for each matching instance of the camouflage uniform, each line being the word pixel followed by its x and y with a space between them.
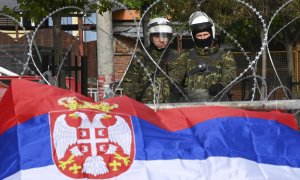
pixel 187 71
pixel 137 84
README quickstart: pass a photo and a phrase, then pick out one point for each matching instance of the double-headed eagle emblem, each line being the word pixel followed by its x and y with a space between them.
pixel 93 141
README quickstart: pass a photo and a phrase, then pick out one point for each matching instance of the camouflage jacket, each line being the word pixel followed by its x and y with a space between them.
pixel 144 81
pixel 197 69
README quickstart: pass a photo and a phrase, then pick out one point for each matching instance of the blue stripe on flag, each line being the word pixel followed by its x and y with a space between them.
pixel 25 146
pixel 10 159
pixel 255 139
pixel 263 141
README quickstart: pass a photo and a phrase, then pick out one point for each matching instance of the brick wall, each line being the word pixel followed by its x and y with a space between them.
pixel 124 48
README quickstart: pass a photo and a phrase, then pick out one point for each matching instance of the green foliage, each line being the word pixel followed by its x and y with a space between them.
pixel 11 12
pixel 36 9
pixel 133 4
pixel 288 19
pixel 102 6
pixel 239 20
pixel 246 33
pixel 106 5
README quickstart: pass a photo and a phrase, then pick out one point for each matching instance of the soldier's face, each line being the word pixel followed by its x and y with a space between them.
pixel 160 40
pixel 202 35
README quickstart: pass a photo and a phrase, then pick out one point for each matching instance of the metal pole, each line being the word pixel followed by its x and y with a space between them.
pixel 263 69
pixel 7 72
pixel 250 105
pixel 84 76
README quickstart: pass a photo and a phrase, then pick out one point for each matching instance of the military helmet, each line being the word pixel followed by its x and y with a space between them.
pixel 200 22
pixel 159 27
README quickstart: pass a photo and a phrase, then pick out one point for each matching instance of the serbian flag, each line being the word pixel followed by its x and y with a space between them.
pixel 51 133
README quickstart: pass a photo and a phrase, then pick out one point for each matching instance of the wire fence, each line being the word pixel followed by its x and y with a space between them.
pixel 241 89
pixel 280 62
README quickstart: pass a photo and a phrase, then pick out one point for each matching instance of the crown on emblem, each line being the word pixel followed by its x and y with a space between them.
pixel 73 103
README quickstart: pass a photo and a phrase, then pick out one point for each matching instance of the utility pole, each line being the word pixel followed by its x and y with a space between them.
pixel 105 51
pixel 264 69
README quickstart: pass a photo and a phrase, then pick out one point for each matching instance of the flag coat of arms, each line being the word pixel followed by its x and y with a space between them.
pixel 92 144
pixel 51 133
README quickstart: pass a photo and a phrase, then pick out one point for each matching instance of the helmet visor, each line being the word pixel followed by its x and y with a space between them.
pixel 162 36
pixel 161 29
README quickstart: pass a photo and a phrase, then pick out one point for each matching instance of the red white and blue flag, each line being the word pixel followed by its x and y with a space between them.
pixel 51 133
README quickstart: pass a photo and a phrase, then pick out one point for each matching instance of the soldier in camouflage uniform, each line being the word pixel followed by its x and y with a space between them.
pixel 144 81
pixel 204 70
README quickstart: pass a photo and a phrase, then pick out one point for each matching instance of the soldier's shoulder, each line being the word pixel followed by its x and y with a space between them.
pixel 225 52
pixel 140 55
pixel 184 54
pixel 172 54
pixel 172 51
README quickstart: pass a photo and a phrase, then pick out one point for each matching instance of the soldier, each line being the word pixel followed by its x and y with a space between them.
pixel 144 81
pixel 204 70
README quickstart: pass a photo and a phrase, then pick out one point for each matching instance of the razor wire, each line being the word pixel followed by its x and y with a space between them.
pixel 251 66
pixel 28 41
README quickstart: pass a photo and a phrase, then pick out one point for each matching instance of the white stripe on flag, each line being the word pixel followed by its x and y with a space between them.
pixel 213 168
